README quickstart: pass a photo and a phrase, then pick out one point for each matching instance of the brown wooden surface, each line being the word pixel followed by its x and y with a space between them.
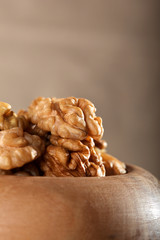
pixel 115 207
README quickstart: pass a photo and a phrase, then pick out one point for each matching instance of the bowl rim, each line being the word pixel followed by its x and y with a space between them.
pixel 131 169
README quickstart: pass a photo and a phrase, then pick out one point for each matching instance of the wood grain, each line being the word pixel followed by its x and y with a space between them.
pixel 104 51
pixel 114 207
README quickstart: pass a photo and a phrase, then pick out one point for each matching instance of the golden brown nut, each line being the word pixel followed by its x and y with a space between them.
pixel 72 157
pixel 30 127
pixel 22 122
pixel 18 148
pixel 112 165
pixel 94 123
pixel 35 130
pixel 23 113
pixel 71 134
pixel 96 167
pixel 71 117
pixel 95 170
pixel 76 147
pixel 55 161
pixel 8 119
pixel 101 144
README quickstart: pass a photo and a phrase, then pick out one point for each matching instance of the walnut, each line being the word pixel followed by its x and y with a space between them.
pixel 71 117
pixel 89 142
pixel 64 134
pixel 101 144
pixel 94 123
pixel 96 167
pixel 68 157
pixel 69 120
pixel 8 119
pixel 23 113
pixel 35 130
pixel 18 148
pixel 54 163
pixel 30 127
pixel 76 147
pixel 22 122
pixel 112 165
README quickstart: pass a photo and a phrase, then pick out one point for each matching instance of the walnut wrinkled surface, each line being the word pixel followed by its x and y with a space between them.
pixel 18 148
pixel 8 119
pixel 72 157
pixel 64 135
pixel 66 118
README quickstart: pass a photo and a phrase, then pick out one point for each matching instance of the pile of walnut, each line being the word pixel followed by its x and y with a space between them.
pixel 55 137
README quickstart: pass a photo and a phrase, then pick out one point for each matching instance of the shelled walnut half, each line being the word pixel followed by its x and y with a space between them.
pixel 17 147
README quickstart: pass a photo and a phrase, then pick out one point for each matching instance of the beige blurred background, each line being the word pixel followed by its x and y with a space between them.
pixel 106 51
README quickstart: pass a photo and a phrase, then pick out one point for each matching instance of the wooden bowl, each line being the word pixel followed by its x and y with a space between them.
pixel 114 207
